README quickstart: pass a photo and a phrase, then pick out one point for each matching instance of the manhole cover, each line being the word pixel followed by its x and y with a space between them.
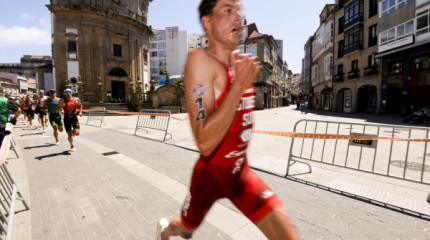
pixel 411 166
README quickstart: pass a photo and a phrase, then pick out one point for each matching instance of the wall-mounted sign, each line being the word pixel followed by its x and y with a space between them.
pixel 398 43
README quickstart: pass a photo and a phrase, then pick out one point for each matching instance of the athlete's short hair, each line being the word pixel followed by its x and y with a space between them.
pixel 206 7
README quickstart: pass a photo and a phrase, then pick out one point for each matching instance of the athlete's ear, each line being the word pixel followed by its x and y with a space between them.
pixel 205 22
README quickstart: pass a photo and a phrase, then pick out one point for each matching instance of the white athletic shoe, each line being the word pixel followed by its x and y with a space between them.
pixel 57 143
pixel 162 224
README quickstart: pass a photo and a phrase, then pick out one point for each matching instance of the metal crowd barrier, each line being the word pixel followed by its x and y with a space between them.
pixel 96 114
pixel 9 193
pixel 394 151
pixel 153 119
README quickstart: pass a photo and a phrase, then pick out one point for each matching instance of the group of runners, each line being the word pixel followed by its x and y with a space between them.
pixel 50 108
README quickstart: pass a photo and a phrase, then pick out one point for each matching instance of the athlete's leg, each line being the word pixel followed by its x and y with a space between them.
pixel 263 207
pixel 42 120
pixel 70 138
pixel 54 126
pixel 76 127
pixel 278 225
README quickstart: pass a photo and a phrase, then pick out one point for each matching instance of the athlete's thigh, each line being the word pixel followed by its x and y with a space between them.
pixel 204 191
pixel 253 196
pixel 67 124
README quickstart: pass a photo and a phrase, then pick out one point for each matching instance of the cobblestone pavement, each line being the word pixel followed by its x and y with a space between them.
pixel 116 186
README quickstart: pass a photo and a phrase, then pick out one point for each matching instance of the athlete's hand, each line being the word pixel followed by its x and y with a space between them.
pixel 245 68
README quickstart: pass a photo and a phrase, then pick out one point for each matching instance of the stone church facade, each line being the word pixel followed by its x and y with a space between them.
pixel 100 49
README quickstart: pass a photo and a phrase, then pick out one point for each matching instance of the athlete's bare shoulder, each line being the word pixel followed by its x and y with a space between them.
pixel 199 57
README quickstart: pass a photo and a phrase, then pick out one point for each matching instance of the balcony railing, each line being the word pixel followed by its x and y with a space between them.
pixel 354 74
pixel 340 77
pixel 371 70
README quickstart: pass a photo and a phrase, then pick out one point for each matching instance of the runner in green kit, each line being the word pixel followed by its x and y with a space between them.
pixel 50 106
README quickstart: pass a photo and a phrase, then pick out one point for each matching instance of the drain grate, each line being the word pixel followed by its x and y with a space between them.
pixel 411 166
pixel 110 153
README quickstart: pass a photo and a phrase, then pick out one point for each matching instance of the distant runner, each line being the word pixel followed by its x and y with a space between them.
pixel 29 109
pixel 70 104
pixel 50 106
pixel 38 103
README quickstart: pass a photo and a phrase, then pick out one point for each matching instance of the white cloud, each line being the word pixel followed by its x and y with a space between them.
pixel 17 36
pixel 27 17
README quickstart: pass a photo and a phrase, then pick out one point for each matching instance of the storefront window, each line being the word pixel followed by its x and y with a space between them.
pixel 396 67
pixel 420 63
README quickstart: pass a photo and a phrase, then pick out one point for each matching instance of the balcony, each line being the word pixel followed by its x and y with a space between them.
pixel 371 70
pixel 354 74
pixel 340 77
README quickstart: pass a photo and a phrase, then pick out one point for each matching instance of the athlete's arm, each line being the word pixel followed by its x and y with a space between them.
pixel 45 106
pixel 60 105
pixel 79 104
pixel 210 126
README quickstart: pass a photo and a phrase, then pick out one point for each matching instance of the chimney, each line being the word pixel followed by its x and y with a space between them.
pixel 244 21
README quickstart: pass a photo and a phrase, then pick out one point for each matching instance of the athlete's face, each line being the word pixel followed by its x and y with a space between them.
pixel 52 94
pixel 225 23
pixel 68 94
pixel 41 94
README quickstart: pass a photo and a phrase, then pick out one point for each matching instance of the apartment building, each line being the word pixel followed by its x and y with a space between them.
pixel 322 60
pixel 306 70
pixel 404 50
pixel 268 84
pixel 168 52
pixel 357 80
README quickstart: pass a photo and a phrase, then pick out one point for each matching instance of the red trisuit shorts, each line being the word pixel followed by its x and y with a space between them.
pixel 245 189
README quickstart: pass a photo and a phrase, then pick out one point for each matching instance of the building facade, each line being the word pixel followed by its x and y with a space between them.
pixel 101 48
pixel 322 60
pixel 307 71
pixel 269 82
pixel 25 67
pixel 168 52
pixel 357 78
pixel 404 50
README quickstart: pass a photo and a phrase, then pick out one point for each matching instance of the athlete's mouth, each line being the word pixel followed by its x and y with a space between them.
pixel 236 29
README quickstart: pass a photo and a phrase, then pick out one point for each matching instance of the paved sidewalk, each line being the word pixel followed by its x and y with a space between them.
pixel 116 186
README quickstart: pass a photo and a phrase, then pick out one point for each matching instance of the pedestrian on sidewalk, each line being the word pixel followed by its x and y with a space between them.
pixel 50 107
pixel 70 105
pixel 6 105
pixel 220 99
pixel 38 102
pixel 302 107
pixel 306 106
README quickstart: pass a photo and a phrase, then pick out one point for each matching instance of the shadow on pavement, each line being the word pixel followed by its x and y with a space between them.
pixel 38 133
pixel 52 155
pixel 41 146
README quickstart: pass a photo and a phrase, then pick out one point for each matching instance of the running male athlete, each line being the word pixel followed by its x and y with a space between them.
pixel 220 99
pixel 70 106
pixel 38 102
pixel 50 107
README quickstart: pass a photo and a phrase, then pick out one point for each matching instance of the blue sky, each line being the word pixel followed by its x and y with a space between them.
pixel 25 25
